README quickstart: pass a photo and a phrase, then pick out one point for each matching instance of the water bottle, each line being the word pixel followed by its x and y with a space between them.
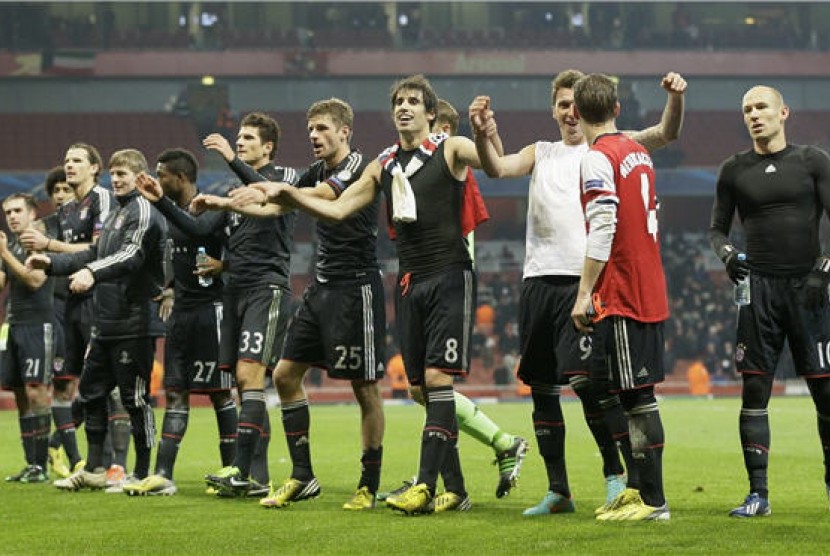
pixel 201 258
pixel 742 293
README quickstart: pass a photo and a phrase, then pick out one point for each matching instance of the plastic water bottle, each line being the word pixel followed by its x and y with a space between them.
pixel 742 292
pixel 201 258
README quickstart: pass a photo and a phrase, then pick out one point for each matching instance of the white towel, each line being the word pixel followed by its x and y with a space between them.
pixel 404 208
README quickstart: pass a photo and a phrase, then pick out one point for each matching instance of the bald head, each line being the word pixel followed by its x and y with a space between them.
pixel 764 92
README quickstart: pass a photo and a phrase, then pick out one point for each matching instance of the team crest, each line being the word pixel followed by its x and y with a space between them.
pixel 740 352
pixel 83 214
pixel 124 358
pixel 119 222
pixel 345 175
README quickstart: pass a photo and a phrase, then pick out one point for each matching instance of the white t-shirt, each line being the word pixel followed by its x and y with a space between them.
pixel 555 223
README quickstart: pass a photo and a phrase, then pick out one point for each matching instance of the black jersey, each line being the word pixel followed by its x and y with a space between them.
pixel 26 306
pixel 183 248
pixel 779 198
pixel 52 225
pixel 81 221
pixel 344 249
pixel 434 241
pixel 258 250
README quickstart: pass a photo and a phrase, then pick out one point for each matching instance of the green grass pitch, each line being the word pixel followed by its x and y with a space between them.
pixel 704 478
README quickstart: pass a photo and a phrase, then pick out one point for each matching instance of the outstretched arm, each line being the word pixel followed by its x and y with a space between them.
pixel 489 145
pixel 668 129
pixel 355 197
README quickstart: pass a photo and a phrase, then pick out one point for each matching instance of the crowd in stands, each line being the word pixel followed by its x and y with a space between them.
pixel 605 25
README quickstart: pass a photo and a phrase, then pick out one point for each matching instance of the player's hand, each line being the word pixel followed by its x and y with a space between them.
pixel 209 267
pixel 736 269
pixel 81 281
pixel 480 114
pixel 815 285
pixel 4 242
pixel 581 313
pixel 149 187
pixel 673 83
pixel 33 240
pixel 166 300
pixel 202 202
pixel 242 196
pixel 215 142
pixel 38 261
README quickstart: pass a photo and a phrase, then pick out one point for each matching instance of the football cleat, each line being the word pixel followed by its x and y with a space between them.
pixel 95 480
pixel 17 476
pixel 34 474
pixel 753 506
pixel 59 462
pixel 362 500
pixel 552 503
pixel 118 487
pixel 627 496
pixel 510 463
pixel 153 485
pixel 292 490
pixel 115 474
pixel 215 480
pixel 450 501
pixel 637 512
pixel 381 496
pixel 414 500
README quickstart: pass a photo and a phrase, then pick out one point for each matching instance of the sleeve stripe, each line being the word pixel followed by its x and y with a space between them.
pixel 132 249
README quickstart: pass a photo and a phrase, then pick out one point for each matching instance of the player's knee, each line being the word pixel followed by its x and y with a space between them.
pixel 417 394
pixel 221 399
pixel 756 391
pixel 633 400
pixel 176 399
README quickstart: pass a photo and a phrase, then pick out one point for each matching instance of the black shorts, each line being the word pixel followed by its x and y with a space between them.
pixel 552 349
pixel 26 353
pixel 627 353
pixel 77 331
pixel 253 326
pixel 191 352
pixel 126 363
pixel 435 322
pixel 777 313
pixel 341 326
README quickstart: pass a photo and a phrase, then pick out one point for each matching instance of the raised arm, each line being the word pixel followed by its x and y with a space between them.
pixel 354 198
pixel 489 145
pixel 668 129
pixel 32 278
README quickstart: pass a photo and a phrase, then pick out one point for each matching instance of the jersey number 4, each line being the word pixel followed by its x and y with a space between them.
pixel 651 213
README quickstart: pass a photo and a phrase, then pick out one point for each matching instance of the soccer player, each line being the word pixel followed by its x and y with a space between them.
pixel 191 353
pixel 347 287
pixel 554 256
pixel 423 176
pixel 780 191
pixel 26 339
pixel 80 222
pixel 59 193
pixel 125 267
pixel 509 449
pixel 622 296
pixel 256 293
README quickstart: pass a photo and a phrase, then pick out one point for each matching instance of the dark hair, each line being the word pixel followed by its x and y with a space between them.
pixel 55 176
pixel 447 113
pixel 29 200
pixel 595 96
pixel 180 161
pixel 564 80
pixel 416 83
pixel 92 155
pixel 269 129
